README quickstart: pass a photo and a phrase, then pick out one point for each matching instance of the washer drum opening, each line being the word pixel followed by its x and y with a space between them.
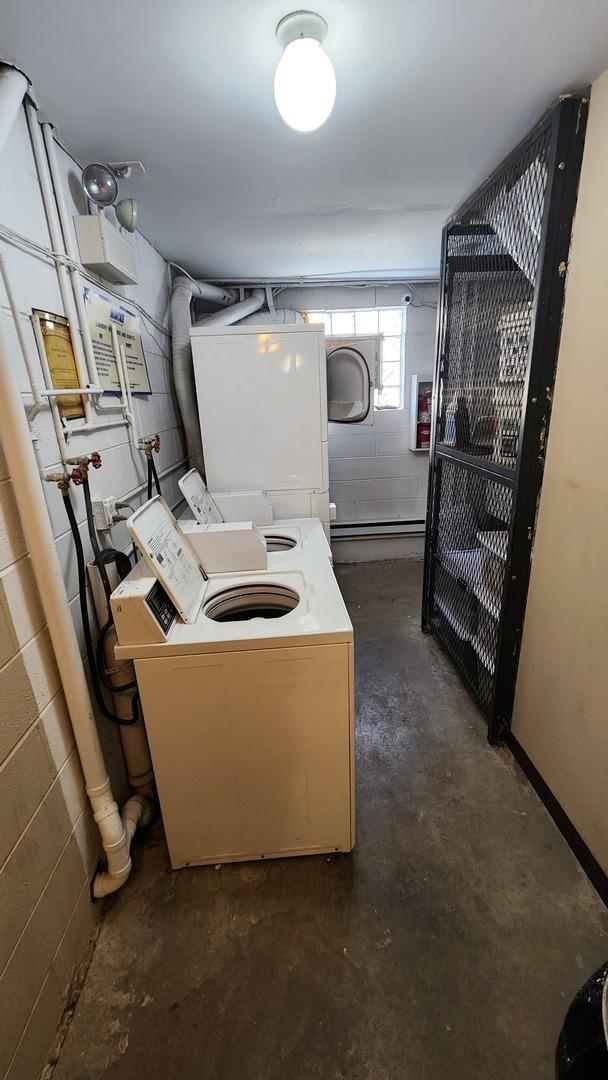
pixel 275 542
pixel 251 601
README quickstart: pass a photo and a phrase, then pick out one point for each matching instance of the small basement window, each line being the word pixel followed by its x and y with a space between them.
pixel 389 322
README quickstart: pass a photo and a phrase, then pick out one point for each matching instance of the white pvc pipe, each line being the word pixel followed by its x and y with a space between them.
pixel 70 248
pixel 13 88
pixel 50 206
pixel 38 399
pixel 74 257
pixel 23 468
pixel 98 425
pixel 27 487
pixel 125 384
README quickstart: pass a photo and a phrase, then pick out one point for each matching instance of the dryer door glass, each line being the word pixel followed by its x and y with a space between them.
pixel 349 385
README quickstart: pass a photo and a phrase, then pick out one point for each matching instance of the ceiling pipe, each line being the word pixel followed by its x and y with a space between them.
pixel 116 830
pixel 236 312
pixel 13 88
pixel 278 317
pixel 184 291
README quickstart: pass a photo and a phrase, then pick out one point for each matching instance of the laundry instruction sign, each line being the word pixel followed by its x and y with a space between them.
pixel 103 312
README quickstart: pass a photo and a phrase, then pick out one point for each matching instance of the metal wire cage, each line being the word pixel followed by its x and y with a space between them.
pixel 504 262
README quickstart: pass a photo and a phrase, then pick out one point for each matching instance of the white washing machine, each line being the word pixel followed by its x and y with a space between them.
pixel 285 539
pixel 246 683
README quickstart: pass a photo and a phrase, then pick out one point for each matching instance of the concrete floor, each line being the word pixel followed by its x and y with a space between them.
pixel 447 947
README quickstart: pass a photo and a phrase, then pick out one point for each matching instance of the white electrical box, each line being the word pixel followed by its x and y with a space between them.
pixel 105 250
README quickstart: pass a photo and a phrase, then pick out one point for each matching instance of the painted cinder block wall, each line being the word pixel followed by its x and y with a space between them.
pixel 373 474
pixel 48 842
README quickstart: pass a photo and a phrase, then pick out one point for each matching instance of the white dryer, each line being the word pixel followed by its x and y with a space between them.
pixel 246 683
pixel 285 540
pixel 266 394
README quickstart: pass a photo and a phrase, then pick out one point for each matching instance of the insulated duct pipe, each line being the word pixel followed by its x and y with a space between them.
pixel 235 313
pixel 183 292
pixel 278 317
pixel 116 831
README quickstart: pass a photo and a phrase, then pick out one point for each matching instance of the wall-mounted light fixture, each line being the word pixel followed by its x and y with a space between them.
pixel 101 187
pixel 305 81
pixel 100 184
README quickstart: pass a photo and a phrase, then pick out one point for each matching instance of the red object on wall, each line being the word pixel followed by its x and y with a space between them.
pixel 424 436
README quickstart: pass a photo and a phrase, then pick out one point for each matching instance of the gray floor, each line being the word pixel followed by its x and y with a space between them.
pixel 446 948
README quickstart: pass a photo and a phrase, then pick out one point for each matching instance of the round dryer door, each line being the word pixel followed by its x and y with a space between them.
pixel 349 385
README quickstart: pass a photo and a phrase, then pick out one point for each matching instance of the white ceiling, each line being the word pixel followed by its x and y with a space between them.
pixel 431 95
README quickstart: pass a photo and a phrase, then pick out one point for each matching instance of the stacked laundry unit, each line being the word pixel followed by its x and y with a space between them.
pixel 265 396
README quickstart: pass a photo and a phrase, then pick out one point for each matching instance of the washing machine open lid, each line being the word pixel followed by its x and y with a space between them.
pixel 169 556
pixel 194 490
pixel 352 364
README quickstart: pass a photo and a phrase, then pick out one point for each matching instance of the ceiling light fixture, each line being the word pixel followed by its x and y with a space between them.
pixel 304 82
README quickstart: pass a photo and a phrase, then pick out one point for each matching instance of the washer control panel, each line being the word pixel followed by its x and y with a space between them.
pixel 162 607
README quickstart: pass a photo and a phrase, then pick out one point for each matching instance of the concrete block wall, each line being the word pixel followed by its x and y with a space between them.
pixel 48 842
pixel 374 476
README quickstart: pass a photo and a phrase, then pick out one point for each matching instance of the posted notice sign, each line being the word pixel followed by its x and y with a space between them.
pixel 103 312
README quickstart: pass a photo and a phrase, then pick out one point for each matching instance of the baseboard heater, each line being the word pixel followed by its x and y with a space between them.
pixel 370 530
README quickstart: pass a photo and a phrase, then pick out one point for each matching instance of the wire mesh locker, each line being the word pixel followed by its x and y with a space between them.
pixel 504 263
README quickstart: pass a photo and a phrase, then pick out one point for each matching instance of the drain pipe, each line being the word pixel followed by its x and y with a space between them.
pixel 184 289
pixel 116 830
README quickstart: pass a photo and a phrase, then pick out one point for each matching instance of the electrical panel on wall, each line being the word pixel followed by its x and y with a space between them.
pixel 105 250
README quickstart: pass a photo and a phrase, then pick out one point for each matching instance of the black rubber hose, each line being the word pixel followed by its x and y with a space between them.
pixel 86 628
pixel 123 566
pixel 150 477
pixel 122 560
pixel 105 581
pixel 155 475
pixel 101 664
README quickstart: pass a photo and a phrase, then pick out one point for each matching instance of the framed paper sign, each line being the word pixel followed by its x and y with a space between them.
pixel 103 312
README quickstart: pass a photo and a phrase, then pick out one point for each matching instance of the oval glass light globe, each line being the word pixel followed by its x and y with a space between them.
pixel 304 85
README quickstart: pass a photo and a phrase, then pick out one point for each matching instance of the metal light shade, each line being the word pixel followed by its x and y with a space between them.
pixel 100 184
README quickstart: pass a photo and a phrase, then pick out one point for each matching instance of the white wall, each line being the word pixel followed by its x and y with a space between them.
pixel 560 715
pixel 373 474
pixel 48 843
